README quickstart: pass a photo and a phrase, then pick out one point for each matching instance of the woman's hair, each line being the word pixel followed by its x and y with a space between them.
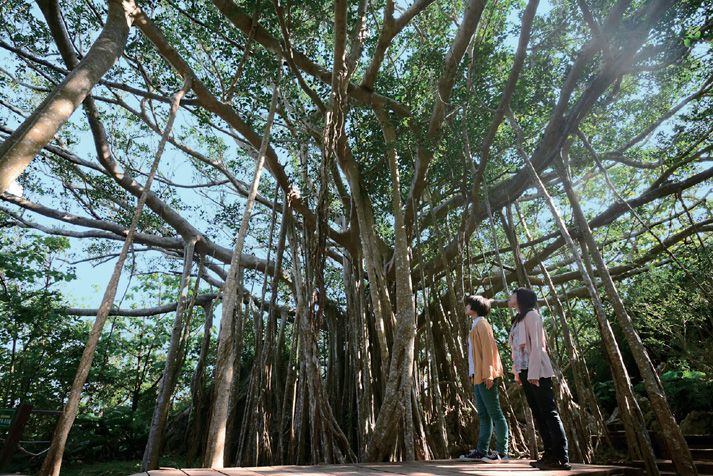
pixel 526 301
pixel 478 304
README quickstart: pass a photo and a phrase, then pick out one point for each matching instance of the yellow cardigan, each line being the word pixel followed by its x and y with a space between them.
pixel 486 358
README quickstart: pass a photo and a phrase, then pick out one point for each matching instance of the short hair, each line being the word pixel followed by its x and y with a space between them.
pixel 479 304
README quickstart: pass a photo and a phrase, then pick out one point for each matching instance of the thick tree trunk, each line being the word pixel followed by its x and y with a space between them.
pixel 400 379
pixel 675 442
pixel 53 460
pixel 462 328
pixel 637 435
pixel 244 314
pixel 168 381
pixel 371 252
pixel 37 131
pixel 215 444
pixel 286 428
pixel 255 445
pixel 435 398
pixel 316 430
pixel 357 310
pixel 198 392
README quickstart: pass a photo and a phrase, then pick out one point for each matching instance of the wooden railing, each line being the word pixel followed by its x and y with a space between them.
pixel 14 420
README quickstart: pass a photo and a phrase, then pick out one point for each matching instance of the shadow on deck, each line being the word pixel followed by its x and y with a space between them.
pixel 418 468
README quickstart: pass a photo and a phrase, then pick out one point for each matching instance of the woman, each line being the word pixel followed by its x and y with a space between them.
pixel 485 370
pixel 533 370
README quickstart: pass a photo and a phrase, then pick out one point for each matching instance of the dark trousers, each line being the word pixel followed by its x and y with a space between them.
pixel 541 400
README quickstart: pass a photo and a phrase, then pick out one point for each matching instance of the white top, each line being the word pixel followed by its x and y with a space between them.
pixel 520 355
pixel 471 364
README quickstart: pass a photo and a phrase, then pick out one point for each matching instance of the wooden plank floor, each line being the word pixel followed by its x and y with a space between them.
pixel 419 468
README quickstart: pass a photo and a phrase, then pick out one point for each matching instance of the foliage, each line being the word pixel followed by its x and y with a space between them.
pixel 40 347
pixel 687 391
pixel 37 339
pixel 118 433
pixel 673 317
pixel 673 314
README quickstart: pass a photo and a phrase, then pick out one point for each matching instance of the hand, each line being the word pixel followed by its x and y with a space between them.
pixel 517 379
pixel 534 381
pixel 489 383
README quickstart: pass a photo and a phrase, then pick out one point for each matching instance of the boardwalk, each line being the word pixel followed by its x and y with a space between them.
pixel 420 468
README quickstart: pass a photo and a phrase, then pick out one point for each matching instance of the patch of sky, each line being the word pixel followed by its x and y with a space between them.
pixel 87 289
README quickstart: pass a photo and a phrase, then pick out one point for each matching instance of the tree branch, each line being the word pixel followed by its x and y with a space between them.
pixel 243 22
pixel 228 114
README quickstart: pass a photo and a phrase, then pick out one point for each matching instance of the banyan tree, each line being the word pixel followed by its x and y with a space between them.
pixel 328 179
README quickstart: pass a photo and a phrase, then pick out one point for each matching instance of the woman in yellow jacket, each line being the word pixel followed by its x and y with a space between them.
pixel 485 371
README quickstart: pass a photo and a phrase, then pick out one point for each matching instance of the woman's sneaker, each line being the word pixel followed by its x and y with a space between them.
pixel 495 458
pixel 475 454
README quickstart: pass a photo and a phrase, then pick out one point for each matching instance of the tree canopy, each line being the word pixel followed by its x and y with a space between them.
pixel 414 153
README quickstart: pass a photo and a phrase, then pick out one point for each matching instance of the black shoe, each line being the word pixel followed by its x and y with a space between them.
pixel 554 465
pixel 544 459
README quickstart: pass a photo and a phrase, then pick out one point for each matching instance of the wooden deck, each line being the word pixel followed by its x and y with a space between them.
pixel 419 468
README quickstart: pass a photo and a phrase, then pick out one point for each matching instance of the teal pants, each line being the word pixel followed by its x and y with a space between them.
pixel 487 402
